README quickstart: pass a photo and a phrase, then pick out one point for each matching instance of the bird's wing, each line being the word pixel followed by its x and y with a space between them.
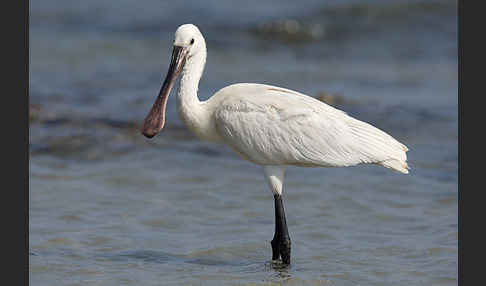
pixel 273 126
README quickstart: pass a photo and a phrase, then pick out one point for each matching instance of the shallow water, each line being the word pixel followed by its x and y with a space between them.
pixel 109 207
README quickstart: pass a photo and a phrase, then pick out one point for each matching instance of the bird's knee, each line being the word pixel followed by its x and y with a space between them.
pixel 274 176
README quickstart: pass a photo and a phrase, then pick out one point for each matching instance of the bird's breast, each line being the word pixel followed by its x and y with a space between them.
pixel 200 122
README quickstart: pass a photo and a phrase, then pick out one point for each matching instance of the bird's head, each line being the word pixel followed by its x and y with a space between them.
pixel 190 38
pixel 188 43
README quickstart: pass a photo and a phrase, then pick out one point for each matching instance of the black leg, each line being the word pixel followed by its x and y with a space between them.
pixel 281 239
pixel 275 241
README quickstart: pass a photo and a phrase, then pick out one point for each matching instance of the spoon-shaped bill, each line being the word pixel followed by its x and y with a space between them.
pixel 154 122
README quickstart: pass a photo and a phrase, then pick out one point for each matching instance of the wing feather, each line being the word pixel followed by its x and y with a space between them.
pixel 273 126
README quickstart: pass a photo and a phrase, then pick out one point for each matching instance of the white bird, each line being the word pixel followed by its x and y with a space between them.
pixel 270 126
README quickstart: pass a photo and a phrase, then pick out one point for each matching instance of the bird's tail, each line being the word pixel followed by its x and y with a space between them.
pixel 396 165
pixel 379 147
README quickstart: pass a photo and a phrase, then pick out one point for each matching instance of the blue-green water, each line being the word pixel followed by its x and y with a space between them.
pixel 109 207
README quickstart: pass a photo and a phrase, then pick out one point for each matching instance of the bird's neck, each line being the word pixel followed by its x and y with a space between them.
pixel 188 86
pixel 190 108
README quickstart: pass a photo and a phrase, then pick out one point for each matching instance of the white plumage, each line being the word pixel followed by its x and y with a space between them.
pixel 269 126
pixel 272 126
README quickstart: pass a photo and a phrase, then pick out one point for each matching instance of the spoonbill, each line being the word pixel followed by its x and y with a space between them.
pixel 270 126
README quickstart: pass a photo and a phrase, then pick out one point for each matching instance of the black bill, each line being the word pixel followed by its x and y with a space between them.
pixel 154 122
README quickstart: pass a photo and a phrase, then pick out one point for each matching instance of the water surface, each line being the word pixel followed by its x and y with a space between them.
pixel 110 207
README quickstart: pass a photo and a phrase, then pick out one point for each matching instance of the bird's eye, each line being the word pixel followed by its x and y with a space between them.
pixel 192 41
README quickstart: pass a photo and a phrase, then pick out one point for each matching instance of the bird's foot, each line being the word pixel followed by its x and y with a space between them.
pixel 275 249
pixel 281 249
pixel 285 250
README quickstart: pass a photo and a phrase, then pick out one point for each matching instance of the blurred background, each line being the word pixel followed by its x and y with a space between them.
pixel 109 207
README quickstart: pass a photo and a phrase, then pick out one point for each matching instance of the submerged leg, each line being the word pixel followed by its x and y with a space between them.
pixel 281 239
pixel 276 237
